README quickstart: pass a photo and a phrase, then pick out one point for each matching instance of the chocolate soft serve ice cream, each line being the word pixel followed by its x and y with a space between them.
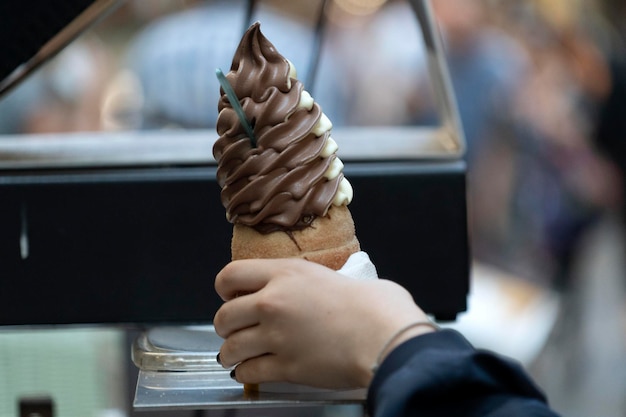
pixel 285 191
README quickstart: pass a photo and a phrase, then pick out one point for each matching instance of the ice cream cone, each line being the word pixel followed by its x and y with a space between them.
pixel 282 183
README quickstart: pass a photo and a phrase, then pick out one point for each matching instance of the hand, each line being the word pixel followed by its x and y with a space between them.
pixel 295 321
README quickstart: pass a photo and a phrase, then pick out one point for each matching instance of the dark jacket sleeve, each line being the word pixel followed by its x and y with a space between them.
pixel 441 374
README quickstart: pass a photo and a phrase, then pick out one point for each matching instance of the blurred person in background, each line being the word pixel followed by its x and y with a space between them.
pixel 382 61
pixel 563 184
pixel 62 96
pixel 487 67
pixel 528 79
pixel 610 130
pixel 174 58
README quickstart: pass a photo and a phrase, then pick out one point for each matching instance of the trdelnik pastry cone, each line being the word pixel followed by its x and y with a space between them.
pixel 285 191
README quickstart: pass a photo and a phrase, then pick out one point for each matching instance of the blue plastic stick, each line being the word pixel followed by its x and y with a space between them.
pixel 234 101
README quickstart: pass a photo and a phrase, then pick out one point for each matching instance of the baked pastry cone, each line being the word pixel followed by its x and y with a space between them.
pixel 330 240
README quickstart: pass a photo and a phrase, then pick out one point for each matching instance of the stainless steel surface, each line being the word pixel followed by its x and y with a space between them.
pixel 195 147
pixel 178 370
pixel 216 390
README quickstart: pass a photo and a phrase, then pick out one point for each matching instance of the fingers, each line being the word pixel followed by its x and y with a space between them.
pixel 237 314
pixel 266 368
pixel 243 277
pixel 243 345
pixel 251 275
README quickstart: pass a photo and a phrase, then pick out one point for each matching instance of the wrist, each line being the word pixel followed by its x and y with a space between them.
pixel 403 334
pixel 369 365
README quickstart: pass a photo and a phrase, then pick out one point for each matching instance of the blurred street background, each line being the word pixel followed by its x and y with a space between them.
pixel 541 91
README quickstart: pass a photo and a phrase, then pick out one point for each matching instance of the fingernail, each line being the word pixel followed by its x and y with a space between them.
pixel 217 359
pixel 232 374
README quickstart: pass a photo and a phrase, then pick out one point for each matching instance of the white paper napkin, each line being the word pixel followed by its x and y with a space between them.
pixel 359 266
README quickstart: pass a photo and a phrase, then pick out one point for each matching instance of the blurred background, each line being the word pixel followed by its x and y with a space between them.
pixel 540 86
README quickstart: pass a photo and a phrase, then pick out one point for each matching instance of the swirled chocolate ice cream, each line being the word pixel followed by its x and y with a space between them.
pixel 290 175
